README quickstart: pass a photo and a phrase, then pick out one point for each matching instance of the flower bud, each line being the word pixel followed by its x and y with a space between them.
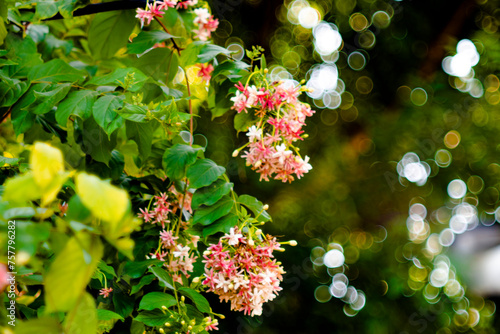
pixel 293 242
pixel 164 307
pixel 161 331
pixel 235 153
pixel 183 322
pixel 266 70
pixel 266 207
pixel 196 280
pixel 167 324
pixel 250 242
pixel 183 298
pixel 258 163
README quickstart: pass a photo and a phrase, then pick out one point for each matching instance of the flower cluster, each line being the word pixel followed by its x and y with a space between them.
pixel 280 119
pixel 242 270
pixel 176 247
pixel 205 72
pixel 205 22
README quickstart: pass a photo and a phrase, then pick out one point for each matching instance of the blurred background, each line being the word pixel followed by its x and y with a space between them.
pixel 397 222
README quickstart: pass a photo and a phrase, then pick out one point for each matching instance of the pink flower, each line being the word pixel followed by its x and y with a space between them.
pixel 4 276
pixel 212 324
pixel 181 251
pixel 205 71
pixel 233 238
pixel 168 239
pixel 243 273
pixel 167 4
pixel 146 215
pixel 105 292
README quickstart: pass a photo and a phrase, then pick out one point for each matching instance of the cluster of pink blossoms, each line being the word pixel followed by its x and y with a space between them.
pixel 175 249
pixel 204 20
pixel 242 271
pixel 281 117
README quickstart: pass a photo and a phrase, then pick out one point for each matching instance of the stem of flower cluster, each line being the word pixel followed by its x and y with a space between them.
pixel 173 41
pixel 191 127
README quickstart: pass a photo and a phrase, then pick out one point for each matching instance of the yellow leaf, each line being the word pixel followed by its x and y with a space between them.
pixel 104 200
pixel 47 164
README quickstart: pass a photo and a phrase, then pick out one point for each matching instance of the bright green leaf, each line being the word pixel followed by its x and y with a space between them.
pixel 153 318
pixel 46 99
pixel 210 51
pixel 155 300
pixel 109 32
pixel 11 90
pixel 82 318
pixel 206 215
pixel 255 206
pixel 77 103
pixel 40 325
pixel 223 224
pixel 104 112
pixel 177 158
pixel 71 271
pixel 146 40
pixel 210 194
pixel 203 173
pixel 118 78
pixel 163 277
pixel 104 315
pixel 55 71
pixel 199 301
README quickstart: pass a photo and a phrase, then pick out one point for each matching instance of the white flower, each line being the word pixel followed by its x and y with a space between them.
pixel 254 133
pixel 202 16
pixel 281 153
pixel 181 251
pixel 233 239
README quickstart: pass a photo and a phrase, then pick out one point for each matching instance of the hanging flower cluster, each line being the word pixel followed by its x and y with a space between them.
pixel 205 22
pixel 242 270
pixel 270 150
pixel 176 247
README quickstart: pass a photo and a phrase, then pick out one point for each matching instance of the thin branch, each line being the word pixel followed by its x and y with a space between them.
pixel 179 49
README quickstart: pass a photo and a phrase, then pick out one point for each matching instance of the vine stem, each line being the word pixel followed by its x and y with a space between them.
pixel 191 130
pixel 179 49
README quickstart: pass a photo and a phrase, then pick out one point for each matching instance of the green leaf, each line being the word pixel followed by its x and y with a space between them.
pixel 104 315
pixel 24 55
pixel 243 121
pixel 82 318
pixel 49 97
pixel 206 215
pixel 155 300
pixel 46 8
pixel 190 53
pixel 203 173
pixel 8 161
pixel 211 194
pixel 146 40
pixel 109 32
pixel 163 277
pixel 210 51
pixel 199 301
pixel 11 90
pixel 137 268
pixel 223 224
pixel 19 212
pixel 55 71
pixel 71 271
pixel 40 325
pixel 106 269
pixel 77 103
pixel 21 189
pixel 104 112
pixel 229 67
pixel 133 112
pixel 145 280
pixel 118 78
pixel 96 141
pixel 177 158
pixel 142 134
pixel 153 318
pixel 255 206
pixel 159 63
pixel 124 304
